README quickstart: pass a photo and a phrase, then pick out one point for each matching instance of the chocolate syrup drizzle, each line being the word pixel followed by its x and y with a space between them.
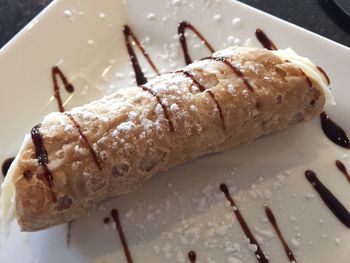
pixel 160 102
pixel 259 253
pixel 182 38
pixel 6 165
pixel 211 94
pixel 115 216
pixel 235 69
pixel 140 77
pixel 333 131
pixel 264 40
pixel 69 230
pixel 324 74
pixel 273 222
pixel 192 256
pixel 343 169
pixel 181 30
pixel 57 73
pixel 85 139
pixel 329 199
pixel 41 154
pixel 37 137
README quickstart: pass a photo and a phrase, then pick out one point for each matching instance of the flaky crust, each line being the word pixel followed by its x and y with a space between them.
pixel 131 136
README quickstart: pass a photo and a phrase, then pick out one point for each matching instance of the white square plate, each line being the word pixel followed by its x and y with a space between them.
pixel 183 209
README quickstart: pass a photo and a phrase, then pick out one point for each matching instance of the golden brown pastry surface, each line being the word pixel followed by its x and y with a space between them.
pixel 130 131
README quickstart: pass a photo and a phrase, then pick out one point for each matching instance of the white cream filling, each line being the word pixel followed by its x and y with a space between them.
pixel 7 197
pixel 309 69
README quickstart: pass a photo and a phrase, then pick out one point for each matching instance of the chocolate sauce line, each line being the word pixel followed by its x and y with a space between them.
pixel 218 106
pixel 57 73
pixel 324 74
pixel 235 69
pixel 41 154
pixel 182 38
pixel 192 256
pixel 94 156
pixel 273 222
pixel 106 220
pixel 69 231
pixel 211 94
pixel 333 131
pixel 259 253
pixel 194 80
pixel 160 102
pixel 264 40
pixel 37 137
pixel 6 165
pixel 140 77
pixel 343 169
pixel 329 199
pixel 115 216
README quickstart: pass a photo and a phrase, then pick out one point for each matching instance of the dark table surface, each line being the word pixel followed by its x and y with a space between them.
pixel 14 14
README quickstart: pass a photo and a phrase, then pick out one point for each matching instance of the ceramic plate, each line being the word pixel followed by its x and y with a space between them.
pixel 183 209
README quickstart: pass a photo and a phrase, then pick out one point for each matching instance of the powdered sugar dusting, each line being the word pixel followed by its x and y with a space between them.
pixel 203 220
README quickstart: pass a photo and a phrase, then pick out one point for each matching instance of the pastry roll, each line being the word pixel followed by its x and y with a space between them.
pixel 110 146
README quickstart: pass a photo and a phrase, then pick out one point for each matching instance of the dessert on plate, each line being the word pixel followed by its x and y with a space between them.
pixel 75 159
